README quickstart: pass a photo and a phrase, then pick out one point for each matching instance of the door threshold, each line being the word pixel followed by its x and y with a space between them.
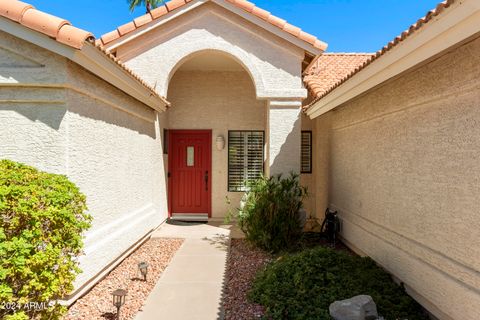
pixel 189 217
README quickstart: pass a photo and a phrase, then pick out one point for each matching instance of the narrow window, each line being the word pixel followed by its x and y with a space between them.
pixel 245 158
pixel 306 152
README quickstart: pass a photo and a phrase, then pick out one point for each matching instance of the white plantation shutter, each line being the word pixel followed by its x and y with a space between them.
pixel 306 152
pixel 245 158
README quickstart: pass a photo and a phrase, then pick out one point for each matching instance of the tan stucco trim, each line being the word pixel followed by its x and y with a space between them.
pixel 68 87
pixel 92 60
pixel 454 26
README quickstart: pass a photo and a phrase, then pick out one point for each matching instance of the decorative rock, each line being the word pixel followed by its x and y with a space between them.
pixel 359 307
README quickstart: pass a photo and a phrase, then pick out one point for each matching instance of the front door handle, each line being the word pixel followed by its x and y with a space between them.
pixel 206 180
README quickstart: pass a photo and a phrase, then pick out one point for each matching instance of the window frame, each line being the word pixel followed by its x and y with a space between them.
pixel 228 155
pixel 310 155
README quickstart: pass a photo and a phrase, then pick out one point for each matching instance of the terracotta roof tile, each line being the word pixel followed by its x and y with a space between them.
pixel 174 4
pixel 158 12
pixel 14 10
pixel 72 36
pixel 292 29
pixel 326 89
pixel 245 5
pixel 242 4
pixel 62 31
pixel 263 14
pixel 329 68
pixel 112 35
pixel 142 20
pixel 276 21
pixel 126 28
pixel 54 27
pixel 43 22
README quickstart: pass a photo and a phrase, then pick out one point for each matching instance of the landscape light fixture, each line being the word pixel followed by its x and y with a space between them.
pixel 143 267
pixel 119 300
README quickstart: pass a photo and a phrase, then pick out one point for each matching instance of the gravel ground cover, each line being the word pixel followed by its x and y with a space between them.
pixel 243 263
pixel 97 303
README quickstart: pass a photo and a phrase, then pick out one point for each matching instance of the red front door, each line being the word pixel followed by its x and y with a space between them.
pixel 190 168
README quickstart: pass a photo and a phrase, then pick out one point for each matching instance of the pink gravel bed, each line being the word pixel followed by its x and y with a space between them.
pixel 243 263
pixel 97 303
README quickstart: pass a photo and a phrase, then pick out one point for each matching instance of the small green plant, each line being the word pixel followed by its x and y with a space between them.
pixel 42 218
pixel 303 285
pixel 269 212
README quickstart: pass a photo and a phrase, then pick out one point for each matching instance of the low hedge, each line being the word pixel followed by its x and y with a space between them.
pixel 303 285
pixel 43 217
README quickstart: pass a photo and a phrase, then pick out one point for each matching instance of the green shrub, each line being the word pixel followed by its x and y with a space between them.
pixel 303 285
pixel 42 219
pixel 269 217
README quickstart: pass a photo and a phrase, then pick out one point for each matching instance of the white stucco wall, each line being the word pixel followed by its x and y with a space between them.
pixel 404 174
pixel 116 158
pixel 283 135
pixel 219 101
pixel 61 119
pixel 273 63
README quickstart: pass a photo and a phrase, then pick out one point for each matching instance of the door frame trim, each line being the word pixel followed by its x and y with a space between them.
pixel 172 132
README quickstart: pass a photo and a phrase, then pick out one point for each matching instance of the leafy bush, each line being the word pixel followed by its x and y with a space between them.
pixel 303 285
pixel 42 219
pixel 269 216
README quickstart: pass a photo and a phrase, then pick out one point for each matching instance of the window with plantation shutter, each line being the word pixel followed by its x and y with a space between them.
pixel 245 158
pixel 306 152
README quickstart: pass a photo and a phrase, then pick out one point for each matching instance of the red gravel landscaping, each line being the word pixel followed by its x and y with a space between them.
pixel 97 303
pixel 243 263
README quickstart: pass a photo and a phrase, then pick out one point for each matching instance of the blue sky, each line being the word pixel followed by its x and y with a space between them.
pixel 346 25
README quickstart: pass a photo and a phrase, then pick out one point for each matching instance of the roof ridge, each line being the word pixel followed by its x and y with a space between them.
pixel 242 4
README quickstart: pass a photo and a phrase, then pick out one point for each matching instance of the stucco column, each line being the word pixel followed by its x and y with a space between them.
pixel 283 132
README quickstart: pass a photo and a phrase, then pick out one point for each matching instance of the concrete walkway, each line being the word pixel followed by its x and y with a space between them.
pixel 191 286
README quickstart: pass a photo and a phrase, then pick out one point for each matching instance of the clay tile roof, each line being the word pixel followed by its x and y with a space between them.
pixel 330 68
pixel 389 46
pixel 54 27
pixel 242 4
pixel 62 31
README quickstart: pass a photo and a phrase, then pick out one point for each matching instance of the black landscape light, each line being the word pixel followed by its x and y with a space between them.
pixel 143 267
pixel 119 300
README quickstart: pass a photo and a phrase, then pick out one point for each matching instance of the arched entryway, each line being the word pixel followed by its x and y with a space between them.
pixel 214 102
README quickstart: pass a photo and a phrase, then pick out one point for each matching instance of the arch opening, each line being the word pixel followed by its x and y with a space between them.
pixel 212 91
pixel 216 60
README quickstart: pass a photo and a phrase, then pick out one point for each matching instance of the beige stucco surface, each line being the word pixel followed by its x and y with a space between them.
pixel 267 96
pixel 273 63
pixel 219 101
pixel 404 167
pixel 59 118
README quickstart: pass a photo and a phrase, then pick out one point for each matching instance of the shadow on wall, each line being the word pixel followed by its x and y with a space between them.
pixel 96 110
pixel 283 161
pixel 50 115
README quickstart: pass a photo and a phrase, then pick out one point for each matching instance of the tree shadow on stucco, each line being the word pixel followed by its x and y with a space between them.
pixel 51 115
pixel 281 163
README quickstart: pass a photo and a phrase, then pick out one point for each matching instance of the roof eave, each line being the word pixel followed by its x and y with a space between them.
pixel 91 59
pixel 457 24
pixel 316 49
